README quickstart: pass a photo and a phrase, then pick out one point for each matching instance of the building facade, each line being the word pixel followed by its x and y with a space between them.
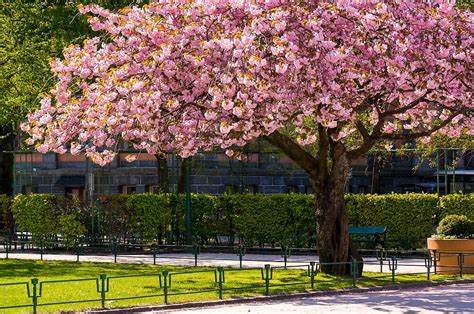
pixel 215 173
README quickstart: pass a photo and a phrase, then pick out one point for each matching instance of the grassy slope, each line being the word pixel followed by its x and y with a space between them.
pixel 24 270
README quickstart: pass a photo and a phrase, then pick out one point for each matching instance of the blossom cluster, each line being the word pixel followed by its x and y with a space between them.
pixel 183 76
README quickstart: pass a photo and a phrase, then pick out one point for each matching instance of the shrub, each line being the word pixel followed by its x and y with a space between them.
pixel 38 214
pixel 111 208
pixel 456 227
pixel 71 228
pixel 277 219
pixel 46 215
pixel 205 216
pixel 7 221
pixel 457 204
pixel 150 214
pixel 408 217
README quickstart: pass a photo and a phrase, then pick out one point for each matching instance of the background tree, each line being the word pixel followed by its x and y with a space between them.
pixel 32 32
pixel 324 82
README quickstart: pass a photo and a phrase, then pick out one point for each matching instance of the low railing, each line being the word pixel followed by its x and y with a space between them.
pixel 165 282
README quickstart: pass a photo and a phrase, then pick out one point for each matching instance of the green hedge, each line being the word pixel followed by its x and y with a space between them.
pixel 151 214
pixel 457 204
pixel 409 217
pixel 7 221
pixel 277 219
pixel 46 215
pixel 281 219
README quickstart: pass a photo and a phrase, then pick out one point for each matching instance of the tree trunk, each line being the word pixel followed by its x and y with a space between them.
pixel 334 243
pixel 6 161
pixel 329 173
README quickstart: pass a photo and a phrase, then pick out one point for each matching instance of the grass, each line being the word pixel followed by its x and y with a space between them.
pixel 185 286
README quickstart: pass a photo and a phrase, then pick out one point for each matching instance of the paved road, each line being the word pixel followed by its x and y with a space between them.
pixel 441 299
pixel 221 259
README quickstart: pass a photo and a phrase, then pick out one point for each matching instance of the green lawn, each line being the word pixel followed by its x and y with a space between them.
pixel 186 286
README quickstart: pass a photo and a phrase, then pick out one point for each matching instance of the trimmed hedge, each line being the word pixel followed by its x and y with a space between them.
pixel 7 221
pixel 409 217
pixel 150 214
pixel 46 215
pixel 277 219
pixel 457 204
pixel 280 219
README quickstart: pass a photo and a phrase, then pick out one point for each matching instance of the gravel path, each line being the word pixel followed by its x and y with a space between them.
pixel 220 259
pixel 442 299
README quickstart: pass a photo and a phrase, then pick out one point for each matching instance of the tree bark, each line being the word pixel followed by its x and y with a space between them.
pixel 334 243
pixel 329 174
pixel 6 161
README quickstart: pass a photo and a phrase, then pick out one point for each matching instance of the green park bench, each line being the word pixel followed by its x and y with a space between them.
pixel 372 236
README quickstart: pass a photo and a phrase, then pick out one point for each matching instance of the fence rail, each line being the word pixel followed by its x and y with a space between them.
pixel 166 285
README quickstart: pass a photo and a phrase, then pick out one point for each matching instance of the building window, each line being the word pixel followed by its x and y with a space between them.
pixel 292 189
pixel 309 189
pixel 250 189
pixel 241 189
pixel 75 192
pixel 129 189
pixel 152 189
pixel 231 189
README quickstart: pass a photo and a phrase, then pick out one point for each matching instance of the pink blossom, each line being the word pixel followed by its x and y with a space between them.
pixel 183 77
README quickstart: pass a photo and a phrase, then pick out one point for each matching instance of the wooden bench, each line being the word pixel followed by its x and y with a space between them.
pixel 372 236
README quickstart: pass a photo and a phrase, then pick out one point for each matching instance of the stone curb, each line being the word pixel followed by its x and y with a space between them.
pixel 321 293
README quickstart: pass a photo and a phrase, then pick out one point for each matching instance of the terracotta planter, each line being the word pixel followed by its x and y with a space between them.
pixel 447 258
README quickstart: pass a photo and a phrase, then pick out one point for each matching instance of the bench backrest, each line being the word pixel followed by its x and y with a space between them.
pixel 367 230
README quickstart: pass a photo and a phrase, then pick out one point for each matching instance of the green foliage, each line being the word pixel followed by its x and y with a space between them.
pixel 208 220
pixel 112 208
pixel 6 216
pixel 38 214
pixel 46 215
pixel 151 213
pixel 71 229
pixel 278 219
pixel 456 227
pixel 459 204
pixel 408 217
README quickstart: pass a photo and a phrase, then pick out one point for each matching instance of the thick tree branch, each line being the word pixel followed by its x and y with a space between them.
pixel 294 151
pixel 377 135
pixel 412 136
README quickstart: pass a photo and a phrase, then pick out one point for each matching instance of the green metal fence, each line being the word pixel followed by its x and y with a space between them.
pixel 165 282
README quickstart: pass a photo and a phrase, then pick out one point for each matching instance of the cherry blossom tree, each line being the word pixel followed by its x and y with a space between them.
pixel 324 81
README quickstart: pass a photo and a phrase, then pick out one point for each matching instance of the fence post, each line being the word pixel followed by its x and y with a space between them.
pixel 115 249
pixel 354 272
pixel 196 252
pixel 285 254
pixel 392 264
pixel 7 247
pixel 428 264
pixel 461 264
pixel 165 285
pixel 77 245
pixel 240 253
pixel 312 274
pixel 381 256
pixel 267 276
pixel 220 270
pixel 103 277
pixel 34 297
pixel 435 262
